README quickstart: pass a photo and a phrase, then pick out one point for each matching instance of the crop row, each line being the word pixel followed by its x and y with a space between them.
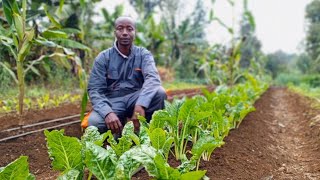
pixel 204 120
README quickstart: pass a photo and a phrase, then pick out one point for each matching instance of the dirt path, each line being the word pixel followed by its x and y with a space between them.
pixel 293 137
pixel 274 142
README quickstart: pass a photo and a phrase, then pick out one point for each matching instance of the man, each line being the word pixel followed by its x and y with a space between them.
pixel 124 82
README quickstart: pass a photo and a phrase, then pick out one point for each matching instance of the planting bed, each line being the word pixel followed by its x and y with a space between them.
pixel 274 142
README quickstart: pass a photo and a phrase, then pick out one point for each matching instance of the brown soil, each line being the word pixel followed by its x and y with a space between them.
pixel 274 142
pixel 10 120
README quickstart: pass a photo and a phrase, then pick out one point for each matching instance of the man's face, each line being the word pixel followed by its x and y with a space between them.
pixel 125 31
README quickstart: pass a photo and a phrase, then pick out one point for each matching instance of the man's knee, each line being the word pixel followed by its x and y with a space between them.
pixel 157 101
pixel 96 120
pixel 161 94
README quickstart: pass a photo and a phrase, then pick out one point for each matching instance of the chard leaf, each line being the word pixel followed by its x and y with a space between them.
pixel 198 116
pixel 31 177
pixel 162 167
pixel 64 151
pixel 158 138
pixel 161 142
pixel 100 162
pixel 205 144
pixel 92 134
pixel 122 146
pixel 72 174
pixel 199 99
pixel 128 130
pixel 167 146
pixel 158 119
pixel 187 165
pixel 186 109
pixel 17 170
pixel 174 107
pixel 194 175
pixel 144 136
pixel 173 110
pixel 127 165
pixel 173 173
pixel 143 121
pixel 146 158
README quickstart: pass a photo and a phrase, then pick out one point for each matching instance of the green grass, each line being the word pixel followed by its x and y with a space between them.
pixel 306 90
pixel 296 79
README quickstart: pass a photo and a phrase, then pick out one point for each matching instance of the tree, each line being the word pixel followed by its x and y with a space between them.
pixel 145 8
pixel 19 37
pixel 251 46
pixel 279 62
pixel 304 63
pixel 313 34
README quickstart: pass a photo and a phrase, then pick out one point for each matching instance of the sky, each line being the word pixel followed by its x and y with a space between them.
pixel 280 24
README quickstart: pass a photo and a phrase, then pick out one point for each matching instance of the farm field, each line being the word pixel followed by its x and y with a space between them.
pixel 274 142
pixel 242 88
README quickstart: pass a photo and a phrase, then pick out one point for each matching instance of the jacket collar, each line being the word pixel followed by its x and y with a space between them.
pixel 124 56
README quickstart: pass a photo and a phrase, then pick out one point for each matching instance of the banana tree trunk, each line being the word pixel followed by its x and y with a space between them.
pixel 21 85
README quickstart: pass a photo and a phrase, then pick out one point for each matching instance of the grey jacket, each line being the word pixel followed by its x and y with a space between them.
pixel 116 75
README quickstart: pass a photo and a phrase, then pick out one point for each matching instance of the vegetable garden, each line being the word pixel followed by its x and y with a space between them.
pixel 224 118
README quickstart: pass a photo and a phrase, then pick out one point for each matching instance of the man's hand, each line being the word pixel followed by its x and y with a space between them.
pixel 113 123
pixel 137 110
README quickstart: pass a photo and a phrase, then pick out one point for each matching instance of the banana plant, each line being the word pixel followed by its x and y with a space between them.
pixel 20 38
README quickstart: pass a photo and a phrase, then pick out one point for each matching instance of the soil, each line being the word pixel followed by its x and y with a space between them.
pixel 11 120
pixel 274 142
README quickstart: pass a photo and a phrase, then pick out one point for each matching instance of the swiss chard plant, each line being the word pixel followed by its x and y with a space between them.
pixel 113 162
pixel 181 118
pixel 17 170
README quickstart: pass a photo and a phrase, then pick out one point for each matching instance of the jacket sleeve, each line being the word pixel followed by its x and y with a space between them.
pixel 97 86
pixel 151 80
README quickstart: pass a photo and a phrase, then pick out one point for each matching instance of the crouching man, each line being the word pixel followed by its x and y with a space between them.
pixel 124 82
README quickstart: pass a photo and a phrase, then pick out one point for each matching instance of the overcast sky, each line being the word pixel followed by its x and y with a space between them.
pixel 279 23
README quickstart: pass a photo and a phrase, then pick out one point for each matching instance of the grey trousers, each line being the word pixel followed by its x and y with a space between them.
pixel 123 107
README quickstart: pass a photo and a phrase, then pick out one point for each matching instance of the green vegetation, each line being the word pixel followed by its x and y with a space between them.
pixel 19 37
pixel 62 38
pixel 204 121
pixel 70 156
pixel 48 47
pixel 18 169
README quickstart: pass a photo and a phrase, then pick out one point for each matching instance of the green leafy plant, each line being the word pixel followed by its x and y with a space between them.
pixel 161 141
pixel 64 151
pixel 182 119
pixel 204 147
pixel 106 163
pixel 20 38
pixel 18 170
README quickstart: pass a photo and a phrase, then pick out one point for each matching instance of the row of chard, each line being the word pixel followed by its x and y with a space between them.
pixel 188 128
